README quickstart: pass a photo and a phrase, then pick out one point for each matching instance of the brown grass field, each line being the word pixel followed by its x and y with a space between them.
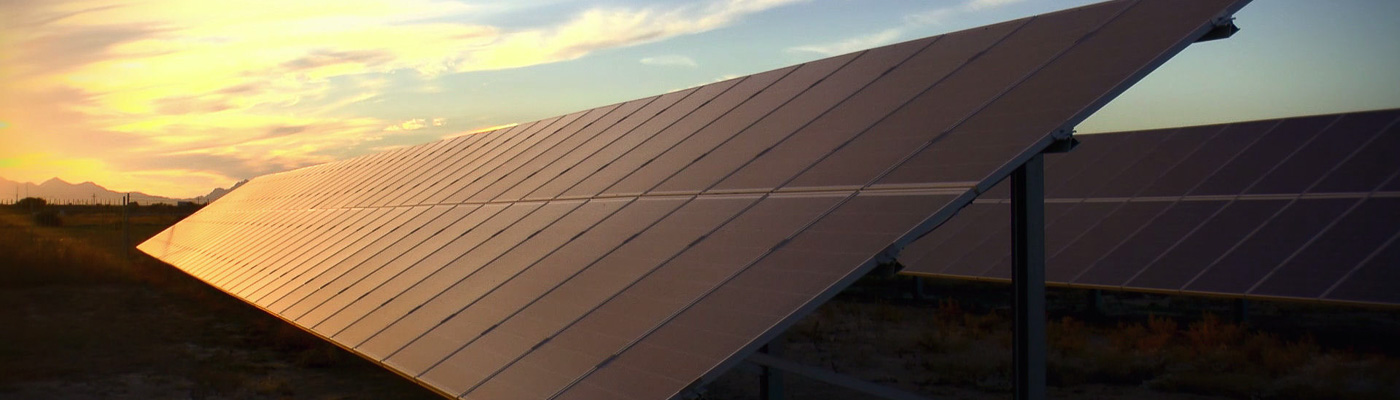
pixel 82 319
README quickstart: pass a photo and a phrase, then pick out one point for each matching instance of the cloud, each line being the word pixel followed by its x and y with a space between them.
pixel 669 61
pixel 852 44
pixel 221 90
pixel 409 125
pixel 934 16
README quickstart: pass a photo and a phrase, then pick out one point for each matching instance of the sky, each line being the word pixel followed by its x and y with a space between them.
pixel 177 97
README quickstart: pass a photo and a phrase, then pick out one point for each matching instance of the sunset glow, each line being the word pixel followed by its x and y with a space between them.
pixel 176 97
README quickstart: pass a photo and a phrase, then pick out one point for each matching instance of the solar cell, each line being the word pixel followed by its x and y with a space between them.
pixel 634 250
pixel 1285 208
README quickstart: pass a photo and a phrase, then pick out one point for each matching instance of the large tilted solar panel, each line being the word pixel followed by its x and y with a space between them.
pixel 1300 208
pixel 637 250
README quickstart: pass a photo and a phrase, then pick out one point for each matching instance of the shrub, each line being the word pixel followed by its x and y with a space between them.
pixel 48 218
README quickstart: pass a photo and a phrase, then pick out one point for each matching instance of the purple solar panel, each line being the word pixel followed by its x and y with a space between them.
pixel 633 250
pixel 1292 208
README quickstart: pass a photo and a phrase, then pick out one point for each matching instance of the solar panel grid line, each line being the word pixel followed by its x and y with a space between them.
pixel 1296 225
pixel 635 135
pixel 527 169
pixel 876 59
pixel 698 244
pixel 763 81
pixel 1306 143
pixel 567 206
pixel 1392 241
pixel 462 168
pixel 472 239
pixel 352 231
pixel 607 135
pixel 845 275
pixel 1354 175
pixel 791 88
pixel 548 164
pixel 1174 148
pixel 1350 236
pixel 472 161
pixel 324 259
pixel 1018 100
pixel 950 94
pixel 371 180
pixel 680 132
pixel 275 227
pixel 524 141
pixel 1130 173
pixel 570 163
pixel 945 234
pixel 449 231
pixel 718 134
pixel 650 211
pixel 1015 59
pixel 325 275
pixel 354 177
pixel 422 235
pixel 992 249
pixel 315 266
pixel 439 176
pixel 430 176
pixel 712 215
pixel 422 157
pixel 257 245
pixel 483 189
pixel 238 265
pixel 638 136
pixel 253 260
pixel 1348 135
pixel 1108 233
pixel 354 222
pixel 1264 155
pixel 1127 160
pixel 566 228
pixel 225 235
pixel 292 301
pixel 1381 134
pixel 1178 242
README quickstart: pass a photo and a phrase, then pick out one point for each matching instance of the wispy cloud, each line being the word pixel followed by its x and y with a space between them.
pixel 852 44
pixel 669 61
pixel 224 89
pixel 936 16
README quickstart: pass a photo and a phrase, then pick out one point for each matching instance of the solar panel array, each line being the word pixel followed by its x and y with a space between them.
pixel 639 249
pixel 1301 208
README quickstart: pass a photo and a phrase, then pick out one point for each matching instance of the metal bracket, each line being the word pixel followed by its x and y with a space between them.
pixel 1061 145
pixel 1223 27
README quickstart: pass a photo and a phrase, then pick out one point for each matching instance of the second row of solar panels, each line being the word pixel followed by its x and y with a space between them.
pixel 1297 208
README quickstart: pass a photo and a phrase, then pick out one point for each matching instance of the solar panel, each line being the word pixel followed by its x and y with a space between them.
pixel 640 249
pixel 1295 208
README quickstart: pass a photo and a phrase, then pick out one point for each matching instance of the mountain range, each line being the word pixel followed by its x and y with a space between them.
pixel 60 192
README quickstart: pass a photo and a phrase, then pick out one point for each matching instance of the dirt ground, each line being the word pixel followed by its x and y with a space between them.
pixel 80 321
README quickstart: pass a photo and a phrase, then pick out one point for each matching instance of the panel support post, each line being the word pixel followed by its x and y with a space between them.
pixel 1028 277
pixel 770 380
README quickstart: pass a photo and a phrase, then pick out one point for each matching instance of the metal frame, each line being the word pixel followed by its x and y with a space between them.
pixel 1028 278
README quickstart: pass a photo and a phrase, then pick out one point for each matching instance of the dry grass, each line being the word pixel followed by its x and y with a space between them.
pixel 959 347
pixel 84 321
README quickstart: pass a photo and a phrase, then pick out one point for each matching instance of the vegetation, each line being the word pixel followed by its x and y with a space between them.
pixel 958 345
pixel 85 318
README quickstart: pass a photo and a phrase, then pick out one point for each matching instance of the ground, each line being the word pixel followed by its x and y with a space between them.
pixel 84 319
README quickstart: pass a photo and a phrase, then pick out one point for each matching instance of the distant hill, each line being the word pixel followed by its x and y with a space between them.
pixel 220 192
pixel 60 192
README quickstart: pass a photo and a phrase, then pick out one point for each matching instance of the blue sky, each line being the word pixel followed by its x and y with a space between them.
pixel 175 97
